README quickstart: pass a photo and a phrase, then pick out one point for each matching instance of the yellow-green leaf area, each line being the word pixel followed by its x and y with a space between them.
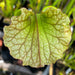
pixel 38 39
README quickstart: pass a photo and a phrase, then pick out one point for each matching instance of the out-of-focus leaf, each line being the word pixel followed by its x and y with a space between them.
pixel 17 13
pixel 38 39
pixel 40 5
pixel 74 13
pixel 60 73
pixel 73 23
pixel 47 2
pixel 9 7
pixel 71 62
pixel 2 5
pixel 71 11
pixel 33 4
pixel 69 6
pixel 70 58
pixel 73 36
pixel 56 2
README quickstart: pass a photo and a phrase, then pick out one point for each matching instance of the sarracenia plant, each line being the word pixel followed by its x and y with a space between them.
pixel 38 36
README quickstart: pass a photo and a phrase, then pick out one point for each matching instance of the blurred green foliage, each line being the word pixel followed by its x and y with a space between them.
pixel 10 7
pixel 70 58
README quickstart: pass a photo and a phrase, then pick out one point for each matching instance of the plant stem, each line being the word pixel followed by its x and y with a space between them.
pixel 51 69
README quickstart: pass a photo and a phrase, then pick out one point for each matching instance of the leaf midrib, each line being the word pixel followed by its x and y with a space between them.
pixel 38 39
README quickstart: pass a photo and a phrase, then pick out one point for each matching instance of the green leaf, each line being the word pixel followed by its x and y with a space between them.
pixel 73 35
pixel 17 12
pixel 56 2
pixel 38 39
pixel 2 5
pixel 69 6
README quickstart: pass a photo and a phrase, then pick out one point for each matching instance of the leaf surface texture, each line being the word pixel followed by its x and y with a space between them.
pixel 38 39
